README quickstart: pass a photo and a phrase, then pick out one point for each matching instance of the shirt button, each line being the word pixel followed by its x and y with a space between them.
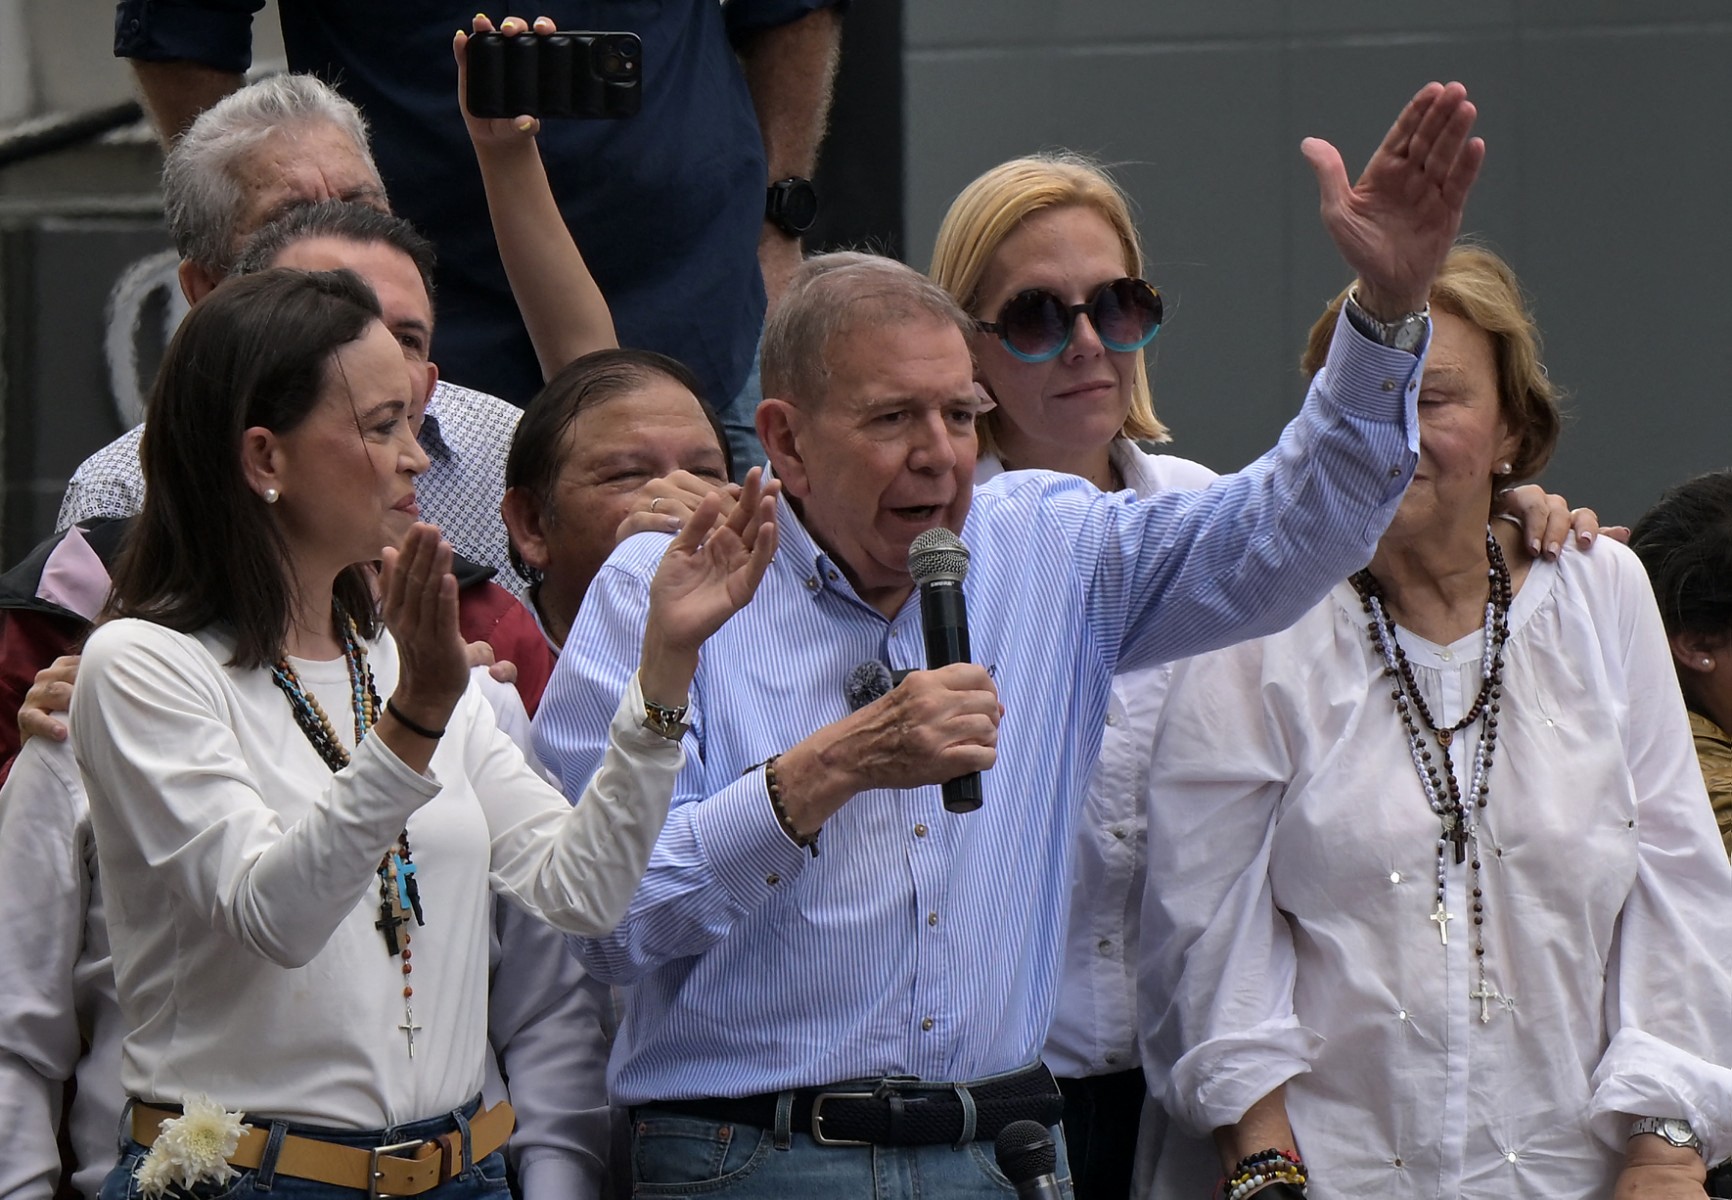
pixel 1509 1155
pixel 1389 385
pixel 932 918
pixel 1413 385
pixel 830 575
pixel 1401 1014
pixel 1397 1163
pixel 811 583
pixel 926 1025
pixel 772 879
pixel 1112 1057
pixel 920 831
pixel 1105 946
pixel 1447 656
pixel 1119 833
pixel 1395 472
pixel 1112 718
pixel 1395 877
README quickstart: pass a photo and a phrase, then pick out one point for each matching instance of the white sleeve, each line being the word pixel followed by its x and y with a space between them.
pixel 169 785
pixel 549 1024
pixel 1669 976
pixel 44 891
pixel 1217 965
pixel 575 865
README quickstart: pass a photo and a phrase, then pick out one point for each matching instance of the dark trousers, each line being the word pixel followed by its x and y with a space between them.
pixel 1101 1116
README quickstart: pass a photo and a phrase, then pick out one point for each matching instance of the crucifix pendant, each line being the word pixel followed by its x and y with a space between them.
pixel 1458 836
pixel 408 1026
pixel 387 924
pixel 1443 918
pixel 1485 994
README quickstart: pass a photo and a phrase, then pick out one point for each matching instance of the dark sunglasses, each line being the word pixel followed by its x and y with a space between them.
pixel 1036 325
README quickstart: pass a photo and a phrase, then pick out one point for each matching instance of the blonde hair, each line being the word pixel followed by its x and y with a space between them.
pixel 995 205
pixel 1478 286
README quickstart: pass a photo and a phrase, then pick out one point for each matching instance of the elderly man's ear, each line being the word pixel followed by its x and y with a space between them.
pixel 779 426
pixel 195 282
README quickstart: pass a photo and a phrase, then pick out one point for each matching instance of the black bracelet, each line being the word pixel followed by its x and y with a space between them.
pixel 431 735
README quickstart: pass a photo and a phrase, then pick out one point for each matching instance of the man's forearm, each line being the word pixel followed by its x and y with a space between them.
pixel 175 93
pixel 789 71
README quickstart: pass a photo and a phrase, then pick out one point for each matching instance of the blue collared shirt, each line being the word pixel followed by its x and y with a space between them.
pixel 922 942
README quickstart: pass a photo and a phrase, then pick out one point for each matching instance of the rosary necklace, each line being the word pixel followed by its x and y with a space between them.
pixel 399 892
pixel 1458 815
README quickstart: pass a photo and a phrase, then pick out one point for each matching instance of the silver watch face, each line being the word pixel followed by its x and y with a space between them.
pixel 1677 1131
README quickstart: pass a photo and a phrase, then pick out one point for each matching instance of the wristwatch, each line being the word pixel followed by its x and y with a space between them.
pixel 792 204
pixel 668 722
pixel 1404 333
pixel 1674 1129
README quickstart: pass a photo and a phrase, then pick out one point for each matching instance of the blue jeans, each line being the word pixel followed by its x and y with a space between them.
pixel 484 1180
pixel 739 421
pixel 674 1155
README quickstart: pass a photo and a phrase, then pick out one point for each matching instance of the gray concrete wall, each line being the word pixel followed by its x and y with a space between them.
pixel 1608 183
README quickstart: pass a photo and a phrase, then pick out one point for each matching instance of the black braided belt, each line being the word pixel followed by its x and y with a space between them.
pixel 891 1112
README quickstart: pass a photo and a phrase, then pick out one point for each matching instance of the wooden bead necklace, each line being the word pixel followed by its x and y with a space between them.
pixel 399 891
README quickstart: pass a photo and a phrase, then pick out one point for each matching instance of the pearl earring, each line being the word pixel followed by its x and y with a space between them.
pixel 1504 468
pixel 271 495
pixel 1707 664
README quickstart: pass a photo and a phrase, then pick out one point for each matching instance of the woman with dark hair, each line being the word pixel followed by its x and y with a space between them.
pixel 618 442
pixel 1685 542
pixel 1433 889
pixel 297 796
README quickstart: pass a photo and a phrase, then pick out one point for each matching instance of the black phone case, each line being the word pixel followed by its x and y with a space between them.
pixel 568 73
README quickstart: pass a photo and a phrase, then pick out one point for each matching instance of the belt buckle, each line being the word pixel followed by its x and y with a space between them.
pixel 373 1173
pixel 818 1117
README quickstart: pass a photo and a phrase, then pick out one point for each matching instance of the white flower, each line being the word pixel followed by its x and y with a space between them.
pixel 192 1148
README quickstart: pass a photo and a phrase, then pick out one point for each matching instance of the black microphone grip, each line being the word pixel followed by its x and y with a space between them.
pixel 944 615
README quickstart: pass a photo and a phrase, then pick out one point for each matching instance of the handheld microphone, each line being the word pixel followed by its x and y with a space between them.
pixel 1028 1158
pixel 938 561
pixel 866 683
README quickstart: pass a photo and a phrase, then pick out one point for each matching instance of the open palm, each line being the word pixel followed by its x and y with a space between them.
pixel 712 569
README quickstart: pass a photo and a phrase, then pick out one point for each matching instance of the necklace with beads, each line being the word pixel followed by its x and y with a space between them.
pixel 1458 815
pixel 399 892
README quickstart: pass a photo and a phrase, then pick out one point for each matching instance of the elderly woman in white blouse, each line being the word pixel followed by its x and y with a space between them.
pixel 1436 902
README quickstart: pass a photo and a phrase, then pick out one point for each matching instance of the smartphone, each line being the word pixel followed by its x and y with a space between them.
pixel 567 73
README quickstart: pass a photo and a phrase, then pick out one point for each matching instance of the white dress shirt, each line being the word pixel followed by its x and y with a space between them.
pixel 241 891
pixel 1094 1024
pixel 1293 871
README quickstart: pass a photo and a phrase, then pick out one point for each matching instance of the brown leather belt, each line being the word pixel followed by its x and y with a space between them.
pixel 380 1171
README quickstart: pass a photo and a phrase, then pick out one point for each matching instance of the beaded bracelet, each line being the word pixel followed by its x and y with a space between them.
pixel 1263 1169
pixel 773 786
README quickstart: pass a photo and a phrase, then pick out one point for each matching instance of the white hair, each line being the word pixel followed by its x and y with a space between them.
pixel 201 191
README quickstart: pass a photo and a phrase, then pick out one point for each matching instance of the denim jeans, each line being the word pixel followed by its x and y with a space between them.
pixel 674 1155
pixel 739 418
pixel 484 1180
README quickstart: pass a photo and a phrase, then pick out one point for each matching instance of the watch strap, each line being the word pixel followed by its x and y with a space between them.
pixel 1406 332
pixel 1675 1130
pixel 667 722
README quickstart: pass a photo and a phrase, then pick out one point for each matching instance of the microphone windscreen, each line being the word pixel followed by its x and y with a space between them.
pixel 1024 1151
pixel 937 553
pixel 866 683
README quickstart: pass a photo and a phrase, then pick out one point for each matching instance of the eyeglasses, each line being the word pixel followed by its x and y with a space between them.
pixel 1036 325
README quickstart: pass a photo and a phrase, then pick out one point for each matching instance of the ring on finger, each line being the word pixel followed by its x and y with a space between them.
pixel 656 502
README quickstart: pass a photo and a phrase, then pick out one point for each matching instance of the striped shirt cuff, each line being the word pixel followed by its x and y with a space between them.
pixel 743 843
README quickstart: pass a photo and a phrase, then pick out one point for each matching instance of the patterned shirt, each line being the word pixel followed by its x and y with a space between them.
pixel 922 942
pixel 467 436
pixel 1714 750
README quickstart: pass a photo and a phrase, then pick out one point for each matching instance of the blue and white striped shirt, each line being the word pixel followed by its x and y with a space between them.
pixel 922 942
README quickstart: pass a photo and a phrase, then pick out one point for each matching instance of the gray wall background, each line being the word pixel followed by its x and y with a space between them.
pixel 1608 125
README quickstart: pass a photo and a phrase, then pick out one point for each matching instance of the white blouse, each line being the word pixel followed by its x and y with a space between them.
pixel 240 877
pixel 1287 930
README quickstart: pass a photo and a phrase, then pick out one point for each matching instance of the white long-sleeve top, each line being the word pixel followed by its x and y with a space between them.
pixel 547 1019
pixel 56 988
pixel 1293 868
pixel 240 880
pixel 1094 1023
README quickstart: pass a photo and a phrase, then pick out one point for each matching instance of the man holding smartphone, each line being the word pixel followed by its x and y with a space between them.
pixel 675 207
